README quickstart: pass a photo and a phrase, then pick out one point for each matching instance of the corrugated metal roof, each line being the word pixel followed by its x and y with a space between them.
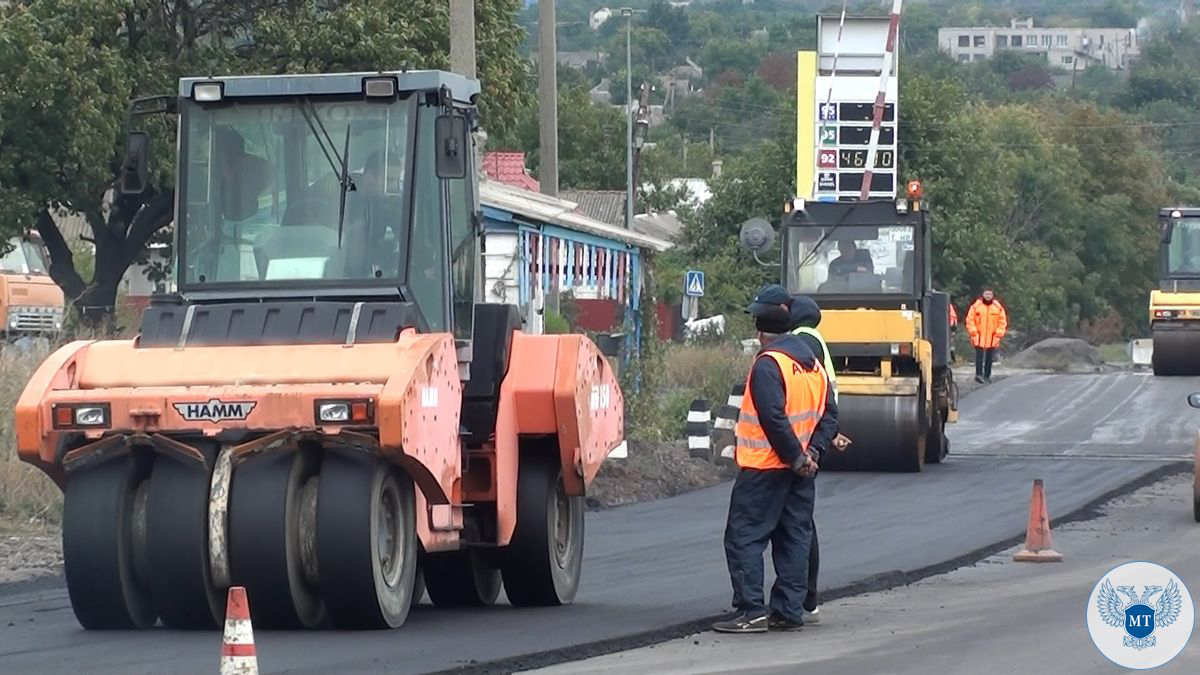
pixel 664 225
pixel 606 206
pixel 72 226
pixel 545 209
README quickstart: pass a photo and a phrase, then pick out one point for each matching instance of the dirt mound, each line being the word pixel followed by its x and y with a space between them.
pixel 1060 355
pixel 653 471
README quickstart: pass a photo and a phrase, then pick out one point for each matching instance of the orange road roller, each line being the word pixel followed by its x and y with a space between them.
pixel 324 413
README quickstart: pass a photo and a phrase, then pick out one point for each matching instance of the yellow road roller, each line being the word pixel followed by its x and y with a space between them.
pixel 867 264
pixel 1175 304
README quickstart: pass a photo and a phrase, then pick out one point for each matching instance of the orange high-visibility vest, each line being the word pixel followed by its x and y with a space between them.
pixel 953 316
pixel 987 323
pixel 804 403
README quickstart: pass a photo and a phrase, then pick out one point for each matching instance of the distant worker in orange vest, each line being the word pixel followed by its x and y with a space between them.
pixel 953 331
pixel 987 322
pixel 787 422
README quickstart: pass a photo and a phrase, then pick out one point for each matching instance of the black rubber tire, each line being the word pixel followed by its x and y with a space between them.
pixel 362 587
pixel 1196 503
pixel 98 545
pixel 463 578
pixel 264 546
pixel 937 446
pixel 418 593
pixel 536 571
pixel 177 545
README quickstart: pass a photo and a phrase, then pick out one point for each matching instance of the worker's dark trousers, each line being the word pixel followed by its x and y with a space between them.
pixel 814 565
pixel 773 506
pixel 983 362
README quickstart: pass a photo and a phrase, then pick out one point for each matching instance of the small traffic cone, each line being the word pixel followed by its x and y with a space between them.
pixel 237 649
pixel 1037 537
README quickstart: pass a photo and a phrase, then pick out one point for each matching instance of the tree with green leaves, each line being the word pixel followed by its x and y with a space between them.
pixel 69 67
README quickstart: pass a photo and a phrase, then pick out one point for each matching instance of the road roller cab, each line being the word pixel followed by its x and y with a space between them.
pixel 324 413
pixel 1175 304
pixel 867 265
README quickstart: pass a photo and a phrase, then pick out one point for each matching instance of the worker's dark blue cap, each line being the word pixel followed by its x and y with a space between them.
pixel 768 300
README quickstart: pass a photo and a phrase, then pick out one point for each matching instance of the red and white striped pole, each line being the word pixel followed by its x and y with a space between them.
pixel 889 56
pixel 238 656
pixel 837 48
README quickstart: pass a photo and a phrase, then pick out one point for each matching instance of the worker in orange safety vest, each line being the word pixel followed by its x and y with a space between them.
pixel 987 322
pixel 953 331
pixel 787 422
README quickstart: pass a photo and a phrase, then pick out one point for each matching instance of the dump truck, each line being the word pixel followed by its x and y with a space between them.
pixel 324 412
pixel 867 264
pixel 31 304
pixel 1175 304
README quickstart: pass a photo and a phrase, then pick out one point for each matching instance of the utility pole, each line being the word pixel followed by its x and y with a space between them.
pixel 462 37
pixel 643 124
pixel 627 12
pixel 548 99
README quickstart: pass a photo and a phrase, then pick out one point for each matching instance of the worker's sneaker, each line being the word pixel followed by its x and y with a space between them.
pixel 813 616
pixel 743 623
pixel 777 623
pixel 979 379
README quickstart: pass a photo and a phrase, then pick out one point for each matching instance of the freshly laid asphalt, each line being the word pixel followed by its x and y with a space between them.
pixel 650 569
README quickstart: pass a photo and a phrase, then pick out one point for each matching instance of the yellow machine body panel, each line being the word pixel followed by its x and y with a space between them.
pixel 880 326
pixel 861 326
pixel 1182 305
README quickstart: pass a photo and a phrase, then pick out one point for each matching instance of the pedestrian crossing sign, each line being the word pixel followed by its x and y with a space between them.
pixel 693 285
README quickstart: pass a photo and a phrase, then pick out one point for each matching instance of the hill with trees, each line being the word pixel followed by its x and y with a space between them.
pixel 1048 192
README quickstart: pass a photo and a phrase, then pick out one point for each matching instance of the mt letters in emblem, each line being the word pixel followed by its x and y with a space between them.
pixel 215 410
pixel 1140 615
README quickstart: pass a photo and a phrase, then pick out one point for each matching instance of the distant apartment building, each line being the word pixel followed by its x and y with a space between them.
pixel 1070 48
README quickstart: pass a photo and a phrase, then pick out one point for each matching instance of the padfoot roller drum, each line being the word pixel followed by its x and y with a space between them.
pixel 888 434
pixel 1176 352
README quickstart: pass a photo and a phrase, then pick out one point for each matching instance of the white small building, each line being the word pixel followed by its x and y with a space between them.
pixel 1069 48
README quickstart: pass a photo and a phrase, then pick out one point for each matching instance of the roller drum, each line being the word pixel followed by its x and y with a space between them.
pixel 1176 352
pixel 888 433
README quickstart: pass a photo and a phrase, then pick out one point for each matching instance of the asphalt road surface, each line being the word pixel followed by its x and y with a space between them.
pixel 995 617
pixel 654 566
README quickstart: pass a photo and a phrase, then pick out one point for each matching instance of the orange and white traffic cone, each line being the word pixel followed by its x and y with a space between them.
pixel 237 649
pixel 1037 536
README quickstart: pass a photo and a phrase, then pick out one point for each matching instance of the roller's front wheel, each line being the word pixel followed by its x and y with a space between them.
pixel 104 538
pixel 544 560
pixel 461 579
pixel 267 529
pixel 366 542
pixel 177 544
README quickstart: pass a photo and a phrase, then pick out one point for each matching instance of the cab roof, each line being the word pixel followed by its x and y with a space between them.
pixel 1184 211
pixel 463 89
pixel 872 212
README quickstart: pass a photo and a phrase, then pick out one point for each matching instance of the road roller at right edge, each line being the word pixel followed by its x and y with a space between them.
pixel 867 264
pixel 1175 304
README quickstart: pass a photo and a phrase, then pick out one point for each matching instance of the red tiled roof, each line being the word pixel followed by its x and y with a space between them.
pixel 509 168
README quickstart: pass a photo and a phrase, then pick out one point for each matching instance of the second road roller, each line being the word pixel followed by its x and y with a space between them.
pixel 1175 304
pixel 867 264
